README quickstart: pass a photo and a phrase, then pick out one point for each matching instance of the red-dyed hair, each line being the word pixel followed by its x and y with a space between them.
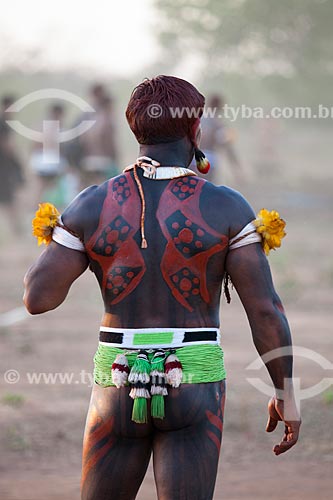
pixel 165 92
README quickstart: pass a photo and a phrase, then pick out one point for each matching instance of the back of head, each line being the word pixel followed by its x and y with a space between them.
pixel 97 90
pixel 6 101
pixel 56 111
pixel 163 109
pixel 216 101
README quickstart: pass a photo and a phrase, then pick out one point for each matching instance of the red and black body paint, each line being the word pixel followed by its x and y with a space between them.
pixel 216 420
pixel 190 241
pixel 117 450
pixel 188 244
pixel 113 244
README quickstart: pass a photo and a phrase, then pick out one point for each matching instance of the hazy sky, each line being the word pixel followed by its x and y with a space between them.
pixel 113 37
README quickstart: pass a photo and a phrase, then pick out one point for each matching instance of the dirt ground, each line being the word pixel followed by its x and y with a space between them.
pixel 42 424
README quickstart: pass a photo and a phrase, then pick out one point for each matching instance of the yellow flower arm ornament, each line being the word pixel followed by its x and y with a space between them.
pixel 271 228
pixel 45 220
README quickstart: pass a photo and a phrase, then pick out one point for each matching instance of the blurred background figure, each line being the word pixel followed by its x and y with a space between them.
pixel 217 141
pixel 95 152
pixel 267 161
pixel 49 163
pixel 11 172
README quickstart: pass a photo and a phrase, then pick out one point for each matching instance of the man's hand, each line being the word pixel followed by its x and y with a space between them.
pixel 286 412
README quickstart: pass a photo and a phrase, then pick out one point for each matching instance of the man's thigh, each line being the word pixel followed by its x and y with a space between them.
pixel 116 451
pixel 187 442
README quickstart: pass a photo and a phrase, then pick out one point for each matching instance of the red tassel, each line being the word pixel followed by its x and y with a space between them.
pixel 120 371
pixel 173 370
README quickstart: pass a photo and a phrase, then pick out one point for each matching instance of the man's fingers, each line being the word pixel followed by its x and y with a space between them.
pixel 291 427
pixel 284 446
pixel 271 424
pixel 289 440
pixel 286 431
pixel 273 416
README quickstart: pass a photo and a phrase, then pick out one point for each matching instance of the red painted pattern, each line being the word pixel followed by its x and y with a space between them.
pixel 91 457
pixel 217 422
pixel 190 241
pixel 215 440
pixel 112 245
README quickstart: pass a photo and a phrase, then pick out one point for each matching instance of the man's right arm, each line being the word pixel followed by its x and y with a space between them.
pixel 48 280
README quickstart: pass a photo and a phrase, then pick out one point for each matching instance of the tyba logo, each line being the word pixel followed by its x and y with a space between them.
pixel 51 125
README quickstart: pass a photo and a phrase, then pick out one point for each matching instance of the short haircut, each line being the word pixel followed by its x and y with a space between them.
pixel 56 108
pixel 7 100
pixel 216 101
pixel 164 92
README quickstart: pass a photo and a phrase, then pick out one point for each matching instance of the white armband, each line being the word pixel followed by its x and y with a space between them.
pixel 246 236
pixel 66 239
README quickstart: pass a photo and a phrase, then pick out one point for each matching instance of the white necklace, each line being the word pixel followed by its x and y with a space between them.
pixel 161 173
pixel 153 170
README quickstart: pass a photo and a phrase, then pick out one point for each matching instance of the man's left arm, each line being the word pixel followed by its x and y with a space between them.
pixel 49 279
pixel 250 273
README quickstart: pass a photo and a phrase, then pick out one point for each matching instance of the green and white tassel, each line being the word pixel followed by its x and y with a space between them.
pixel 139 379
pixel 158 384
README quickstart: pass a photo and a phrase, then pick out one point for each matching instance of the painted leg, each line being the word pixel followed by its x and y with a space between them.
pixel 116 451
pixel 187 443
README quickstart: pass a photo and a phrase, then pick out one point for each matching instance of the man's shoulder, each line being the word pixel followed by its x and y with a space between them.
pixel 92 197
pixel 85 207
pixel 224 194
pixel 229 204
pixel 88 196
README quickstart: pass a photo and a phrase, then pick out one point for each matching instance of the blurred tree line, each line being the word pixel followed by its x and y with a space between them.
pixel 266 49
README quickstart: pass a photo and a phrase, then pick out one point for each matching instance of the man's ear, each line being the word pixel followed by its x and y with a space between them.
pixel 196 133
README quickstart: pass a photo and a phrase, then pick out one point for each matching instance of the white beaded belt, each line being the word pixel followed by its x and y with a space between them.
pixel 151 338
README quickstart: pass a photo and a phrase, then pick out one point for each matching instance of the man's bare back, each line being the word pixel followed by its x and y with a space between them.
pixel 177 279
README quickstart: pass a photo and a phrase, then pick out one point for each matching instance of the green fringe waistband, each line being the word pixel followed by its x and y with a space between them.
pixel 201 363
